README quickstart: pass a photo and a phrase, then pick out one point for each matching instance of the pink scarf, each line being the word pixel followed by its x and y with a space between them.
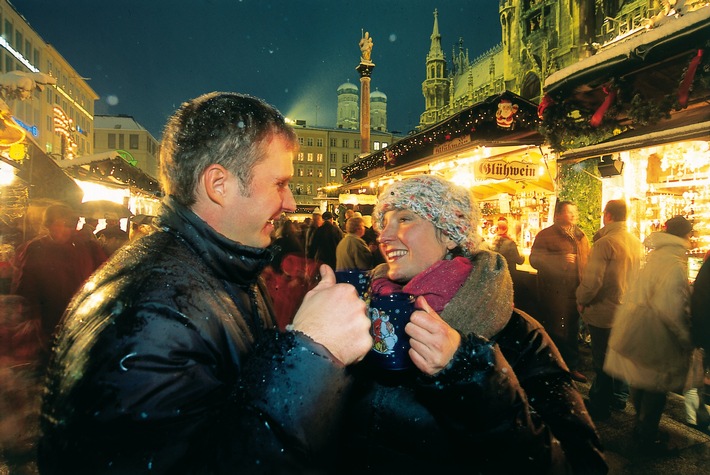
pixel 438 284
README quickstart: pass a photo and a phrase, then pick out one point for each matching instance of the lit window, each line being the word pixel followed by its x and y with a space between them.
pixel 332 172
pixel 299 171
pixel 309 171
pixel 310 157
pixel 319 157
pixel 320 173
pixel 300 156
pixel 376 145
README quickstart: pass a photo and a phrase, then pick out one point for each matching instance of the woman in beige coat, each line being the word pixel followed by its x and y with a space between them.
pixel 650 344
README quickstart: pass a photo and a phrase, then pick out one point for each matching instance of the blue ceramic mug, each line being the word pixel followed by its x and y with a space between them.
pixel 389 315
pixel 360 279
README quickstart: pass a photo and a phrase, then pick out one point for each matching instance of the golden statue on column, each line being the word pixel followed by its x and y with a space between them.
pixel 366 48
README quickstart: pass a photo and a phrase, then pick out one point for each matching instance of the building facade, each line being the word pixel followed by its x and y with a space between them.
pixel 538 38
pixel 59 119
pixel 323 152
pixel 124 134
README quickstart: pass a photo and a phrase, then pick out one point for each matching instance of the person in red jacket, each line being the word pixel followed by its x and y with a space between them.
pixel 51 268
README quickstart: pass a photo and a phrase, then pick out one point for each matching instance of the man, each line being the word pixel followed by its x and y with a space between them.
pixel 50 268
pixel 316 222
pixel 112 236
pixel 559 253
pixel 352 251
pixel 325 241
pixel 88 230
pixel 169 360
pixel 614 263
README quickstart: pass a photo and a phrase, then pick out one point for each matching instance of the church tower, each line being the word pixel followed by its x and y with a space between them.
pixel 436 85
pixel 348 108
pixel 378 111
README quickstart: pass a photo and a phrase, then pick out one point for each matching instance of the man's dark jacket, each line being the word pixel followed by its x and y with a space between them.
pixel 167 362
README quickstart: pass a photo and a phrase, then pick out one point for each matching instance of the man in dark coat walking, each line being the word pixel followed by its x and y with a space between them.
pixel 559 253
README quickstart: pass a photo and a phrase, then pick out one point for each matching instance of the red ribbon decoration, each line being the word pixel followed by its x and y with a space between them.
pixel 596 119
pixel 546 102
pixel 684 89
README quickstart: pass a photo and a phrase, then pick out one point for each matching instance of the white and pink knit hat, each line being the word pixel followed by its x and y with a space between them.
pixel 449 207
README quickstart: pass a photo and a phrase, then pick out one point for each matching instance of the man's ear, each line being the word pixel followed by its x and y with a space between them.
pixel 215 179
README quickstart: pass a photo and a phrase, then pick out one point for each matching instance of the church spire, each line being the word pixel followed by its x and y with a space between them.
pixel 435 51
pixel 436 85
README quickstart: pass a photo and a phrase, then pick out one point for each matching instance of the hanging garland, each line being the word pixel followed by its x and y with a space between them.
pixel 567 125
pixel 478 118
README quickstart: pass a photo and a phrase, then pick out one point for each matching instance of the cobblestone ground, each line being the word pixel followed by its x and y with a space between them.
pixel 689 452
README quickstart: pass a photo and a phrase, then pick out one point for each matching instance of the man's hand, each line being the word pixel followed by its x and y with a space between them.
pixel 334 316
pixel 432 340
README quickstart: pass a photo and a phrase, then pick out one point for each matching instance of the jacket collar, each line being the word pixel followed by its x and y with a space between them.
pixel 614 226
pixel 229 259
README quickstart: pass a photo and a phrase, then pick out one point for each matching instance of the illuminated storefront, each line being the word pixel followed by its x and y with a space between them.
pixel 640 110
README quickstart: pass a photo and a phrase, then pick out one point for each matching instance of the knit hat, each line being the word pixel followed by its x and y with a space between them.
pixel 678 226
pixel 449 207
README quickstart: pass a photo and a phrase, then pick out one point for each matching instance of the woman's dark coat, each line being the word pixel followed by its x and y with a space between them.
pixel 506 403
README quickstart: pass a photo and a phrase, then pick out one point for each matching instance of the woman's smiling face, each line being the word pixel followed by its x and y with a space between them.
pixel 410 244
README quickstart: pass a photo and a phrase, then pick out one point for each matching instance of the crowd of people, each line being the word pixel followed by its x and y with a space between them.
pixel 215 339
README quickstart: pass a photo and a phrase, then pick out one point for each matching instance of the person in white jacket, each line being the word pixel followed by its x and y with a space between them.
pixel 650 343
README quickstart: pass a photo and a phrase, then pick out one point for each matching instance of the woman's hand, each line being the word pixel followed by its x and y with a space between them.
pixel 432 340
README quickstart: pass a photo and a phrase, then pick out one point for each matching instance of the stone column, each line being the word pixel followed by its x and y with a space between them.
pixel 365 70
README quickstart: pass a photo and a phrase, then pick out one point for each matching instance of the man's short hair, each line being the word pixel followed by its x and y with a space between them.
pixel 223 128
pixel 617 209
pixel 60 212
pixel 327 215
pixel 560 206
pixel 353 224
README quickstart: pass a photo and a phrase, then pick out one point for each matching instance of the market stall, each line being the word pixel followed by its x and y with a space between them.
pixel 492 147
pixel 639 110
pixel 109 177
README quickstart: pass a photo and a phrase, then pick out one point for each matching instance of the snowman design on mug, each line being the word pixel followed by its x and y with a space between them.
pixel 383 332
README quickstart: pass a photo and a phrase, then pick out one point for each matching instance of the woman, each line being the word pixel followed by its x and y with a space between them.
pixel 490 392
pixel 649 345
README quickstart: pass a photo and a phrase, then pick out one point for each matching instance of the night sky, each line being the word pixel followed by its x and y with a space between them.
pixel 145 57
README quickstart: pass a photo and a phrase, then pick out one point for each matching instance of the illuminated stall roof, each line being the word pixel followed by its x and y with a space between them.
pixel 109 168
pixel 650 86
pixel 462 142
